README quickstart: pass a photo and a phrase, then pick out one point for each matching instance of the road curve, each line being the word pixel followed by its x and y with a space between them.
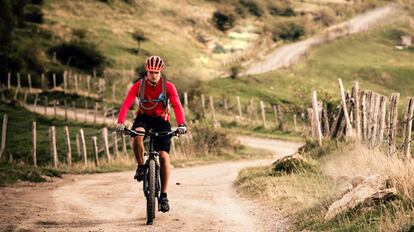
pixel 201 198
pixel 291 53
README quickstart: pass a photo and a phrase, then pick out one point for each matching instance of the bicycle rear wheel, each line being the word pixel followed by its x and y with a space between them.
pixel 151 192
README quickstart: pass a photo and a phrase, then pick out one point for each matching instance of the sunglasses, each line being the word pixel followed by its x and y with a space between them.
pixel 154 72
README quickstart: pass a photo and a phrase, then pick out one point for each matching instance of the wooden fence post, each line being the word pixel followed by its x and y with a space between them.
pixel 262 108
pixel 43 81
pixel 213 111
pixel 65 82
pixel 53 150
pixel 280 118
pixel 105 111
pixel 349 132
pixel 115 141
pixel 383 109
pixel 34 144
pixel 316 117
pixel 78 147
pixel 8 80
pixel 239 107
pixel 393 123
pixel 295 128
pixel 275 113
pixel 408 125
pixel 226 107
pixel 68 147
pixel 186 102
pixel 54 80
pixel 88 84
pixel 357 115
pixel 203 104
pixel 35 100
pixel 83 147
pixel 326 131
pixel 375 121
pixel 76 82
pixel 3 135
pixel 29 82
pixel 124 148
pixel 95 150
pixel 19 84
pixel 106 146
pixel 364 116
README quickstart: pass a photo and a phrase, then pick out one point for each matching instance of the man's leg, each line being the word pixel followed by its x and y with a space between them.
pixel 165 175
pixel 138 147
pixel 165 170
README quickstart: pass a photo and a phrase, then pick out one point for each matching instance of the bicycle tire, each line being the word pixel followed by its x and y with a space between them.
pixel 151 192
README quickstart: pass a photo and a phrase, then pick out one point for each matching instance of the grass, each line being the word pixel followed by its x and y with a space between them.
pixel 369 57
pixel 307 194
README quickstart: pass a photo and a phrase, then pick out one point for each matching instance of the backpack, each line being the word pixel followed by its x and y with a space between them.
pixel 161 98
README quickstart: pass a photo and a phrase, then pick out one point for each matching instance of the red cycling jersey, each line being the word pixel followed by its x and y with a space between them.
pixel 153 92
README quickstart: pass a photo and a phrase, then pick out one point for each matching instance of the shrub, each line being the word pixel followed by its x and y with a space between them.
pixel 139 36
pixel 279 10
pixel 325 18
pixel 288 31
pixel 252 7
pixel 82 55
pixel 33 14
pixel 235 70
pixel 223 20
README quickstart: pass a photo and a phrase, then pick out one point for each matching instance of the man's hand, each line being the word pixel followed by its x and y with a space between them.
pixel 120 127
pixel 182 128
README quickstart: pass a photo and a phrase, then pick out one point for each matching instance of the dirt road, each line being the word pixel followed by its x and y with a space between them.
pixel 291 53
pixel 201 198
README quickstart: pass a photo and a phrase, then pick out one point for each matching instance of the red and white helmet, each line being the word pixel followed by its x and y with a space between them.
pixel 154 63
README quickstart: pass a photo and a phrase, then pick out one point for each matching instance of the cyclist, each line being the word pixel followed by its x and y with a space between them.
pixel 154 93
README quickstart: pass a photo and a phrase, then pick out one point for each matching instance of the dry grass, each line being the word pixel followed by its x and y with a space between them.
pixel 353 160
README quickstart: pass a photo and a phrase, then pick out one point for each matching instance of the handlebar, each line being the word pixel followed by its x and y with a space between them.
pixel 134 133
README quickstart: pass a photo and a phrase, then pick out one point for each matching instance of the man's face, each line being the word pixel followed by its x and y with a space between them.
pixel 153 76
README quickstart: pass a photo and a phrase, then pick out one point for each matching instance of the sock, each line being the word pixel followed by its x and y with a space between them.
pixel 163 195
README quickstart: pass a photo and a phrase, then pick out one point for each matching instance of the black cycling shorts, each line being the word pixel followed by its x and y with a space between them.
pixel 157 124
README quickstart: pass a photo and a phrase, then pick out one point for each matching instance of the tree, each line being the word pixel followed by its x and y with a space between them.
pixel 139 36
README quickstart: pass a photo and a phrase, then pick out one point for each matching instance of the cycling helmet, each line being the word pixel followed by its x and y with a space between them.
pixel 154 63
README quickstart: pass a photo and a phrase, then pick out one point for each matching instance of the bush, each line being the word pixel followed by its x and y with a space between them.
pixel 279 10
pixel 325 18
pixel 223 20
pixel 82 55
pixel 235 70
pixel 252 7
pixel 288 31
pixel 33 14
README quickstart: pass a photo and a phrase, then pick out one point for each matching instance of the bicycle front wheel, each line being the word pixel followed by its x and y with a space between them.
pixel 151 192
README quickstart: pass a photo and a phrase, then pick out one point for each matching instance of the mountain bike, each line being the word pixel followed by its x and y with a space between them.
pixel 152 180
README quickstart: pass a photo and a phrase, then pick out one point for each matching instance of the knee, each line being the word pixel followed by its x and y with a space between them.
pixel 164 156
pixel 139 138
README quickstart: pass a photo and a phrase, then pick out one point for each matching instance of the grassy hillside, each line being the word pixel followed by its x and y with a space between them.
pixel 370 57
pixel 183 32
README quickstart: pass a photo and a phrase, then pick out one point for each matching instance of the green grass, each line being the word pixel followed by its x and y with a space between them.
pixel 369 57
pixel 19 135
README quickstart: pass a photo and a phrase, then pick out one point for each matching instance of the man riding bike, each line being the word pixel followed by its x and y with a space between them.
pixel 154 93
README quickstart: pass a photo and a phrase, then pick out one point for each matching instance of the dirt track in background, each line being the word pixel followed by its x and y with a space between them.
pixel 291 53
pixel 201 199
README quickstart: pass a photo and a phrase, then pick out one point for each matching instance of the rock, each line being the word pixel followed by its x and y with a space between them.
pixel 347 183
pixel 371 190
pixel 289 164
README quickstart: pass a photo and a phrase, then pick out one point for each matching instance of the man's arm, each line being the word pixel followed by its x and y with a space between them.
pixel 132 94
pixel 175 103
